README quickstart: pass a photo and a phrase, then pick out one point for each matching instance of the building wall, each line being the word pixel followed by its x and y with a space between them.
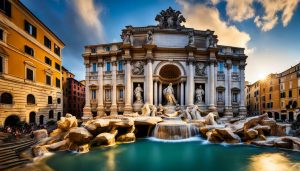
pixel 76 97
pixel 15 61
pixel 253 99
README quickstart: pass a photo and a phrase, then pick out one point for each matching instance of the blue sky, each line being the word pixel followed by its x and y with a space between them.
pixel 268 29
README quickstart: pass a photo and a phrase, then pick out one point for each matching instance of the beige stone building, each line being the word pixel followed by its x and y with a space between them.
pixel 253 100
pixel 202 72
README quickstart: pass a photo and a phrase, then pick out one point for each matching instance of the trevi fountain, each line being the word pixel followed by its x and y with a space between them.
pixel 193 120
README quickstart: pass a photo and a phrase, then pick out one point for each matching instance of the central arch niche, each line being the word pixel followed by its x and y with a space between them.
pixel 170 72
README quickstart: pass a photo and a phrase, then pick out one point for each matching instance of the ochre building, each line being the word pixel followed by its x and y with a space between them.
pixel 30 67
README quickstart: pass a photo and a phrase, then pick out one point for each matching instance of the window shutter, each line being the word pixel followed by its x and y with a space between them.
pixel 34 31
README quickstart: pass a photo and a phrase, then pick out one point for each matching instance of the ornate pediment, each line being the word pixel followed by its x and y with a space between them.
pixel 170 19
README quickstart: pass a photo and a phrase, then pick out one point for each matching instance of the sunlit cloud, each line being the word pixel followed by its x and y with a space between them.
pixel 89 13
pixel 227 34
pixel 240 10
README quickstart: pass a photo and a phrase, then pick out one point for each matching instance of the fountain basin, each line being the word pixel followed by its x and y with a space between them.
pixel 173 128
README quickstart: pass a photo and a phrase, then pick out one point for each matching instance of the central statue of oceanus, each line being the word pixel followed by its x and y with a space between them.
pixel 169 95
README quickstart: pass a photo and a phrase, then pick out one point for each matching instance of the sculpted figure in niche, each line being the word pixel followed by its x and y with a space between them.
pixel 191 39
pixel 149 37
pixel 138 94
pixel 138 68
pixel 169 95
pixel 126 39
pixel 200 69
pixel 199 94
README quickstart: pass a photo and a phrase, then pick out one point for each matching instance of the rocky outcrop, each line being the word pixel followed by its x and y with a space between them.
pixel 105 139
pixel 147 120
pixel 67 122
pixel 126 138
pixel 40 134
pixel 286 142
pixel 80 136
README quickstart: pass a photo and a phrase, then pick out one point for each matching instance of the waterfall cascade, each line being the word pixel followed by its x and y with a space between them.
pixel 173 128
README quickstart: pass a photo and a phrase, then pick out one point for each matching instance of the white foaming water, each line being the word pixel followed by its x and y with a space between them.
pixel 191 139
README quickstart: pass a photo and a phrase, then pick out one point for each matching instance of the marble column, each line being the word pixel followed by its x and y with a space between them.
pixel 160 93
pixel 155 93
pixel 228 107
pixel 216 80
pixel 149 82
pixel 113 108
pixel 128 93
pixel 190 85
pixel 100 108
pixel 242 109
pixel 87 114
pixel 182 93
pixel 212 86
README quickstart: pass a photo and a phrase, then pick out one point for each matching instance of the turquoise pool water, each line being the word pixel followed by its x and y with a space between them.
pixel 196 154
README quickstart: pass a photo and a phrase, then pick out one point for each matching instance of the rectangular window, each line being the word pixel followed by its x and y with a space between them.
pixel 221 66
pixel 94 94
pixel 290 93
pixel 291 84
pixel 29 50
pixel 57 66
pixel 47 42
pixel 107 95
pixel 107 49
pixel 29 74
pixel 57 50
pixel 121 95
pixel 48 61
pixel 108 66
pixel 94 67
pixel 120 66
pixel 235 97
pixel 30 29
pixel 1 35
pixel 220 98
pixel 235 68
pixel 48 80
pixel 57 83
pixel 270 96
pixel 93 50
pixel 5 7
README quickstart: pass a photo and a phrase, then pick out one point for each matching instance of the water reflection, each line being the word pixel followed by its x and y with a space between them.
pixel 272 162
pixel 111 157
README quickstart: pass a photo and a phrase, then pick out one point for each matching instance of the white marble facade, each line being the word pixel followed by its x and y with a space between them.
pixel 153 57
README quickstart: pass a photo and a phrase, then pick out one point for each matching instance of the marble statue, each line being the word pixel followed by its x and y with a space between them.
pixel 169 95
pixel 160 110
pixel 146 110
pixel 170 19
pixel 200 69
pixel 199 94
pixel 149 37
pixel 212 42
pixel 138 94
pixel 149 110
pixel 191 39
pixel 138 68
pixel 196 113
pixel 126 38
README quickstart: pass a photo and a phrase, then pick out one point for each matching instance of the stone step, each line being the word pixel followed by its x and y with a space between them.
pixel 6 158
pixel 15 143
pixel 8 153
pixel 12 161
pixel 13 164
pixel 18 146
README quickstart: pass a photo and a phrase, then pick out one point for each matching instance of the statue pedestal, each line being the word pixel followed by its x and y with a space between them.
pixel 137 106
pixel 87 113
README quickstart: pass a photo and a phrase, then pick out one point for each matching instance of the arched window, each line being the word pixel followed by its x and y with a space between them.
pixel 6 98
pixel 51 116
pixel 58 116
pixel 30 99
pixel 41 119
pixel 58 100
pixel 32 117
pixel 49 99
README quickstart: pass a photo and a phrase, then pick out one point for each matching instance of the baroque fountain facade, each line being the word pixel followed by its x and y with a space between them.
pixel 177 83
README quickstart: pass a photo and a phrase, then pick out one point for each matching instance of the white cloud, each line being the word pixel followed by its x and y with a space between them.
pixel 239 10
pixel 227 34
pixel 272 8
pixel 89 14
